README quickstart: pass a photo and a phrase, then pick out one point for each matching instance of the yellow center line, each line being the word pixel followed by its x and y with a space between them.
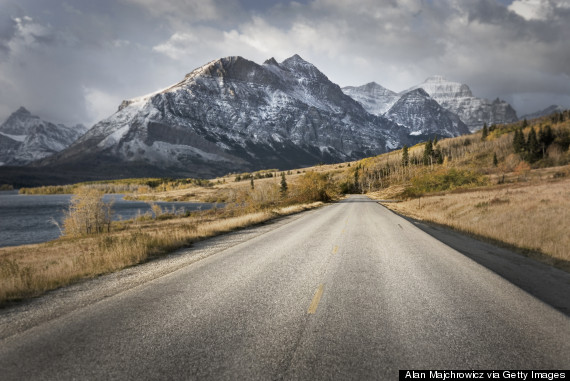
pixel 335 249
pixel 316 299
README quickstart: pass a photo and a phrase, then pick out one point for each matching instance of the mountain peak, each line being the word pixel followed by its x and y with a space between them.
pixel 219 67
pixel 375 98
pixel 22 111
pixel 436 79
pixel 35 137
pixel 271 61
pixel 296 60
pixel 19 122
pixel 419 92
pixel 375 87
pixel 296 57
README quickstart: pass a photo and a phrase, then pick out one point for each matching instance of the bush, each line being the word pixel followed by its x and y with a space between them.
pixel 87 213
pixel 442 180
pixel 314 186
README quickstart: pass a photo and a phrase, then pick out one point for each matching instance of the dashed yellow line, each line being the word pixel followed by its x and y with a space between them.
pixel 316 299
pixel 335 249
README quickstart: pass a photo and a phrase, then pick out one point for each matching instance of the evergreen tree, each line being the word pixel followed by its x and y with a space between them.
pixel 519 144
pixel 405 156
pixel 525 123
pixel 356 187
pixel 283 184
pixel 428 152
pixel 435 141
pixel 251 183
pixel 438 156
pixel 561 118
pixel 485 132
pixel 495 160
pixel 533 148
pixel 545 136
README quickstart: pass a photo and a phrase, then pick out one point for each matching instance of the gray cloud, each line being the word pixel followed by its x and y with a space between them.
pixel 74 61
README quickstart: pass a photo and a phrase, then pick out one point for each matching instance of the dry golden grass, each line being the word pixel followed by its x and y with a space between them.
pixel 223 187
pixel 534 216
pixel 30 270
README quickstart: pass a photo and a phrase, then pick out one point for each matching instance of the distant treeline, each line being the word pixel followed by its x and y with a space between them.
pixel 263 174
pixel 143 185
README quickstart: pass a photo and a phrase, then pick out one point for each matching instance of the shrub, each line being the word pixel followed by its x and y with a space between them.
pixel 442 180
pixel 313 186
pixel 87 213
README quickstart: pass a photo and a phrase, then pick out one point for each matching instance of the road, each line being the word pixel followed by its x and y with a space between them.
pixel 348 291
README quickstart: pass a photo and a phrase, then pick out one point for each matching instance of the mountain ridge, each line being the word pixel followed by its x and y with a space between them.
pixel 459 99
pixel 234 115
pixel 25 137
pixel 455 97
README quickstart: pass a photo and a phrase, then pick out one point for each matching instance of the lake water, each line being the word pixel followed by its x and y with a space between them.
pixel 30 218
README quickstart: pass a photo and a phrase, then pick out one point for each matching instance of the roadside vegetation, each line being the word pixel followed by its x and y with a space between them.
pixel 508 183
pixel 142 185
pixel 92 244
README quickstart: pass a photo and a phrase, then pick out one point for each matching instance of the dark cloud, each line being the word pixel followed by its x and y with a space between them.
pixel 74 61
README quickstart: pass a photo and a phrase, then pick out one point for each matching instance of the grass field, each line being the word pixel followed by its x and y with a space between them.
pixel 30 270
pixel 531 216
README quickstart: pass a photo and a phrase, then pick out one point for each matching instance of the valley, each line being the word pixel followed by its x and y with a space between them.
pixel 284 190
pixel 457 183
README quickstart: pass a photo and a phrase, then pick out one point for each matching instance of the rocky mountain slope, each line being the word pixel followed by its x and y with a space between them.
pixel 452 96
pixel 25 137
pixel 423 117
pixel 458 98
pixel 233 115
pixel 375 98
pixel 547 111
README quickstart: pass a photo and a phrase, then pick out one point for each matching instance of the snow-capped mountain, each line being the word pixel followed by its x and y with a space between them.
pixel 374 98
pixel 458 98
pixel 453 96
pixel 233 115
pixel 414 110
pixel 421 115
pixel 25 137
pixel 547 111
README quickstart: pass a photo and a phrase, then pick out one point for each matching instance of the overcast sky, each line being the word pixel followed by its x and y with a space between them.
pixel 74 61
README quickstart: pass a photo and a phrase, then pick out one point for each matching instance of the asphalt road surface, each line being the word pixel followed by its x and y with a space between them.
pixel 349 291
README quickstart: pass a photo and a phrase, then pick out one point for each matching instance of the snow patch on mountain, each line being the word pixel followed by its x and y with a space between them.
pixel 458 98
pixel 18 138
pixel 375 98
pixel 234 115
pixel 420 114
pixel 26 138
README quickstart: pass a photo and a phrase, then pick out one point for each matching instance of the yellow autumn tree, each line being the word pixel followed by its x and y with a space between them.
pixel 313 186
pixel 87 213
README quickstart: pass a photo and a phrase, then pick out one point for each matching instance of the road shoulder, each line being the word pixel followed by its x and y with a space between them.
pixel 21 316
pixel 546 283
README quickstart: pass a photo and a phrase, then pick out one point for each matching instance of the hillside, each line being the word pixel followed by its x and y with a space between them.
pixel 521 199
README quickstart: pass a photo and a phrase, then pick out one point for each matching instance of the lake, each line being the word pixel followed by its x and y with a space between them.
pixel 28 219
